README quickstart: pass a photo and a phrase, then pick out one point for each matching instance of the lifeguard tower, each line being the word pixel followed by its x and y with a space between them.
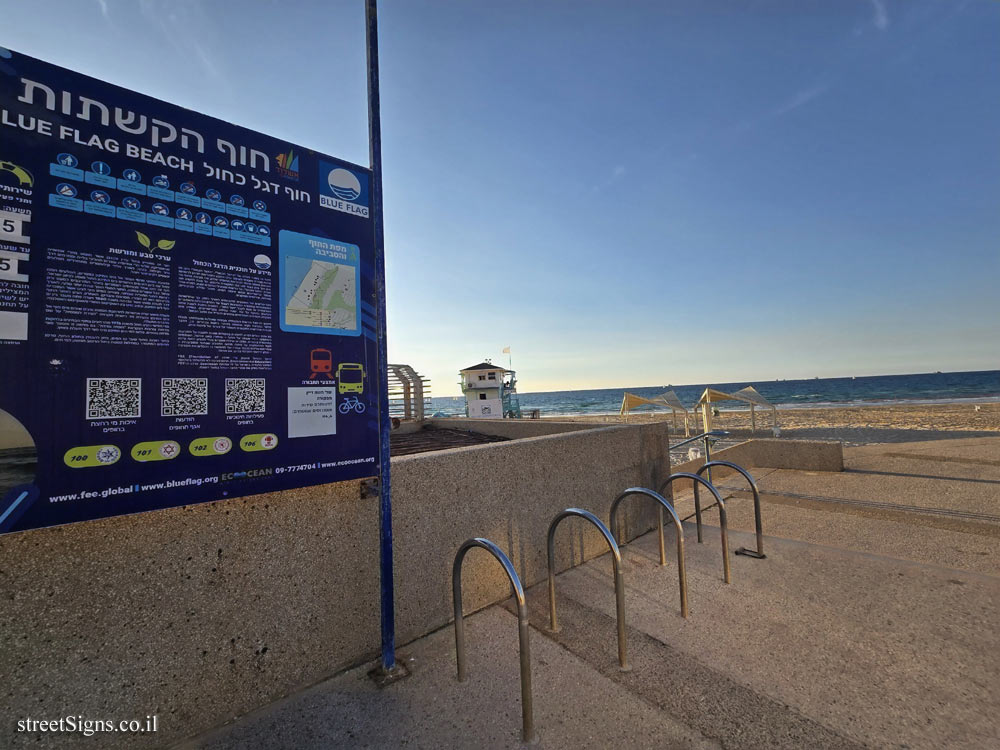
pixel 490 391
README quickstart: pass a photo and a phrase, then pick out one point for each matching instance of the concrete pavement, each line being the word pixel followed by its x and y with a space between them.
pixel 574 706
pixel 872 505
pixel 879 651
pixel 813 647
pixel 865 626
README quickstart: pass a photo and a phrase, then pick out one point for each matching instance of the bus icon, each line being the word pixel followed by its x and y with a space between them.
pixel 350 378
pixel 321 363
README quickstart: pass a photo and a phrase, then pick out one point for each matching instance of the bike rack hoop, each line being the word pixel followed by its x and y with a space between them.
pixel 616 560
pixel 698 479
pixel 527 721
pixel 661 505
pixel 759 553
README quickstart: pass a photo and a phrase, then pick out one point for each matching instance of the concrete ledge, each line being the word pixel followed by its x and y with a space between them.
pixel 514 429
pixel 778 453
pixel 806 455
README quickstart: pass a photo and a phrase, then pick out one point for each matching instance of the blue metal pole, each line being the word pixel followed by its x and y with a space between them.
pixel 388 612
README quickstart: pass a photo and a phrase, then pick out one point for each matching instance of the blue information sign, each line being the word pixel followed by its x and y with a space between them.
pixel 187 307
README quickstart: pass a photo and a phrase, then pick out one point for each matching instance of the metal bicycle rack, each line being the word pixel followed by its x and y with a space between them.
pixel 662 503
pixel 759 553
pixel 616 559
pixel 527 722
pixel 698 479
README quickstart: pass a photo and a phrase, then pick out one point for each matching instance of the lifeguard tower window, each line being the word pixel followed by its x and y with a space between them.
pixel 482 377
pixel 492 376
pixel 482 396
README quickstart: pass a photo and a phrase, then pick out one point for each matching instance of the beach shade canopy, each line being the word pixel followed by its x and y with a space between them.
pixel 673 401
pixel 751 394
pixel 748 395
pixel 631 401
pixel 666 400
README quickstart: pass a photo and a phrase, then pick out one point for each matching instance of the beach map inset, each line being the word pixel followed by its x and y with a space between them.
pixel 319 281
pixel 325 294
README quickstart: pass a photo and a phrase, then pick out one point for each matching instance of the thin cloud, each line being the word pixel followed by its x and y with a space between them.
pixel 178 22
pixel 104 9
pixel 616 174
pixel 880 15
pixel 206 60
pixel 801 98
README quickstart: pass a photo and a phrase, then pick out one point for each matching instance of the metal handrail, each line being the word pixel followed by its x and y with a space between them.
pixel 697 478
pixel 527 722
pixel 662 503
pixel 616 560
pixel 704 435
pixel 759 553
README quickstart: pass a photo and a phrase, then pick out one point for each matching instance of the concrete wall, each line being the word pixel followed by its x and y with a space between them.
pixel 806 455
pixel 511 428
pixel 509 492
pixel 201 613
pixel 778 453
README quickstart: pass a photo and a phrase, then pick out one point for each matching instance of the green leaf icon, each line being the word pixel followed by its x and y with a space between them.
pixel 165 244
pixel 143 239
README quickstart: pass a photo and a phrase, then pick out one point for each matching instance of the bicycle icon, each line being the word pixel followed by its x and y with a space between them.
pixel 351 402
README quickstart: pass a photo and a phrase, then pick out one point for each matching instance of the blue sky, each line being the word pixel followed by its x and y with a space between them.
pixel 631 193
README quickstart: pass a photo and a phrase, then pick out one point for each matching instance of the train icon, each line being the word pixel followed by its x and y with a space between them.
pixel 321 363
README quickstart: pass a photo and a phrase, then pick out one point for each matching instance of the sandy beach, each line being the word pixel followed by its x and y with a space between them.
pixel 854 425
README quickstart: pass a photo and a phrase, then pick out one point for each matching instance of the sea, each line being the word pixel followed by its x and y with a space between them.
pixel 927 388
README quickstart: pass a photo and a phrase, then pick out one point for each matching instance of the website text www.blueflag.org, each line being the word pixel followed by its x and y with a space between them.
pixel 198 481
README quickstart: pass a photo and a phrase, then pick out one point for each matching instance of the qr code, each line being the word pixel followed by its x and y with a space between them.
pixel 112 398
pixel 244 395
pixel 183 397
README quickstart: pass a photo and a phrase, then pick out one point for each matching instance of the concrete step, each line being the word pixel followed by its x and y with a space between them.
pixel 966 543
pixel 679 684
pixel 814 646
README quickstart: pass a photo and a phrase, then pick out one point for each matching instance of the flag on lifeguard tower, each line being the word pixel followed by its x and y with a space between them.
pixel 506 350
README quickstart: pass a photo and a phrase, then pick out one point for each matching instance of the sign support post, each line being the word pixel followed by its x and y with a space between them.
pixel 389 669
